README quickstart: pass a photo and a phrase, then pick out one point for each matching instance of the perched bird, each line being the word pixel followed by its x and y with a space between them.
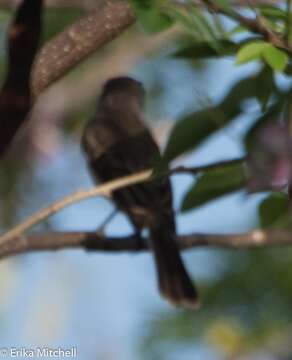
pixel 118 143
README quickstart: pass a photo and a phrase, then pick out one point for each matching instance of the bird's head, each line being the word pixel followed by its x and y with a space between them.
pixel 123 91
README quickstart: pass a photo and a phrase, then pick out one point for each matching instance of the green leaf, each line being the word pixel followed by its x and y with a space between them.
pixel 207 31
pixel 251 51
pixel 276 58
pixel 219 26
pixel 214 184
pixel 267 81
pixel 190 25
pixel 273 208
pixel 150 15
pixel 192 130
pixel 198 25
pixel 272 12
pixel 202 27
pixel 202 50
pixel 227 6
pixel 195 128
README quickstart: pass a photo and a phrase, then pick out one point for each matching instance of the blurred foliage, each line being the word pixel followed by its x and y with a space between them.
pixel 192 130
pixel 151 17
pixel 273 210
pixel 254 50
pixel 244 310
pixel 248 306
pixel 213 184
pixel 212 38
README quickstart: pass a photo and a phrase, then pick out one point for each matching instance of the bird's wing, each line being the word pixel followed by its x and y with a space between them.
pixel 113 154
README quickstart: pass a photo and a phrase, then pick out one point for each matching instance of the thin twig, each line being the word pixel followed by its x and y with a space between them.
pixel 102 190
pixel 257 25
pixel 201 168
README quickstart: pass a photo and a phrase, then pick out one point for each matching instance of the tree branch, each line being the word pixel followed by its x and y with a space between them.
pixel 81 39
pixel 102 190
pixel 213 166
pixel 102 25
pixel 92 241
pixel 256 25
pixel 15 242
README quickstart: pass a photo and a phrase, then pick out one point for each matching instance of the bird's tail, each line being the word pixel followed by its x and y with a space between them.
pixel 174 281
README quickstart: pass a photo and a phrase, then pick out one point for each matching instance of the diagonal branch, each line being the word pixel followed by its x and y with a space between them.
pixel 16 242
pixel 102 190
pixel 102 25
pixel 255 25
pixel 80 40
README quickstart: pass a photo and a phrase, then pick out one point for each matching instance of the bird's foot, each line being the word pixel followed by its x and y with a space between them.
pixel 100 231
pixel 140 242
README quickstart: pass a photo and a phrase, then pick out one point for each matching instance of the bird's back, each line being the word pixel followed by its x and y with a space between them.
pixel 116 152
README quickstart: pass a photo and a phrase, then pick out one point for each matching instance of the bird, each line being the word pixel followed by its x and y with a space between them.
pixel 118 143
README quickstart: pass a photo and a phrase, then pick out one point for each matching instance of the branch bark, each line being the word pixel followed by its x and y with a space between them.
pixel 92 241
pixel 102 190
pixel 80 40
pixel 256 25
pixel 102 25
